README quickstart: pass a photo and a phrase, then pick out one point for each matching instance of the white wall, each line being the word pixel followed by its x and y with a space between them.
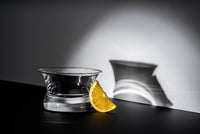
pixel 89 34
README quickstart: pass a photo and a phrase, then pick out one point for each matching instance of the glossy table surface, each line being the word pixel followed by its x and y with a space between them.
pixel 22 112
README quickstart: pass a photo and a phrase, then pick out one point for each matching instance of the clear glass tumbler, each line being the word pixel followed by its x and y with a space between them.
pixel 68 88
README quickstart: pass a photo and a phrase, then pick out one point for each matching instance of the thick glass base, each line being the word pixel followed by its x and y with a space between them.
pixel 68 103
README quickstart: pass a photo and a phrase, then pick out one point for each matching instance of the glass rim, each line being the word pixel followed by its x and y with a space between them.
pixel 69 70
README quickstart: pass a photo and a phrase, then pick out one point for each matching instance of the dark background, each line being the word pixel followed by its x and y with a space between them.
pixel 36 34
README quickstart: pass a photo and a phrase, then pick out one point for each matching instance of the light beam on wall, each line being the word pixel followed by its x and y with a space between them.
pixel 150 35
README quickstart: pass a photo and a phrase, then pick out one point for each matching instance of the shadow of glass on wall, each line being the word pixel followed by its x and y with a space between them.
pixel 135 82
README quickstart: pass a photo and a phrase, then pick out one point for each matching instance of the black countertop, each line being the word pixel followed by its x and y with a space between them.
pixel 22 112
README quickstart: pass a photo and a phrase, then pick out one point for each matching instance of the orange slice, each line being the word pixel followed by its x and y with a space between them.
pixel 99 99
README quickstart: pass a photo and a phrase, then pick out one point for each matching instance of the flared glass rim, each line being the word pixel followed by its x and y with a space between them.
pixel 70 70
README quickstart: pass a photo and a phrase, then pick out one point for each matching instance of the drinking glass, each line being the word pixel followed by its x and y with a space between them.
pixel 68 88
